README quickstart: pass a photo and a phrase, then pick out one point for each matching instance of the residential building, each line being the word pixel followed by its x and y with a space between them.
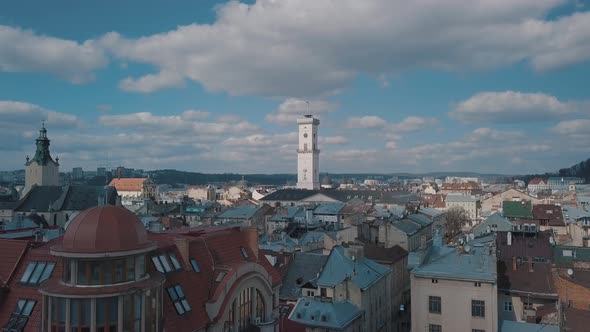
pixel 494 223
pixel 250 215
pixel 494 203
pixel 396 259
pixel 107 273
pixel 330 214
pixel 550 216
pixel 454 288
pixel 470 204
pixel 308 154
pixel 537 184
pixel 301 274
pixel 41 170
pixel 204 193
pixel 563 183
pixel 572 276
pixel 134 189
pixel 438 217
pixel 526 288
pixel 410 234
pixel 461 188
pixel 77 173
pixel 295 197
pixel 353 293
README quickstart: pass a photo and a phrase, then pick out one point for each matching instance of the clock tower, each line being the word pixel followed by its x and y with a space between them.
pixel 308 154
pixel 41 170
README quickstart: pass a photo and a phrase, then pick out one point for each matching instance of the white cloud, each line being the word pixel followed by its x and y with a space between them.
pixel 572 127
pixel 510 106
pixel 24 51
pixel 194 115
pixel 333 140
pixel 285 48
pixel 413 123
pixel 293 108
pixel 22 114
pixel 366 122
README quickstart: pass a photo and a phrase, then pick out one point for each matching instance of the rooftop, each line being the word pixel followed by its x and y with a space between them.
pixel 474 261
pixel 512 326
pixel 384 255
pixel 128 184
pixel 329 208
pixel 433 213
pixel 330 315
pixel 517 209
pixel 407 226
pixel 302 268
pixel 240 212
pixel 460 198
pixel 363 272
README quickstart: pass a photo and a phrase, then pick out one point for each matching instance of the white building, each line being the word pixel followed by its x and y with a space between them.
pixel 42 170
pixel 308 154
pixel 468 203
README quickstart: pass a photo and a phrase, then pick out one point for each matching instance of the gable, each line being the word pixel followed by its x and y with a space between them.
pixel 319 198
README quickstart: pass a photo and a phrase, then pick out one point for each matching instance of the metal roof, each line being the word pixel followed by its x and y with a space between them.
pixel 512 326
pixel 407 226
pixel 450 263
pixel 244 211
pixel 303 267
pixel 433 213
pixel 460 198
pixel 331 208
pixel 331 315
pixel 363 272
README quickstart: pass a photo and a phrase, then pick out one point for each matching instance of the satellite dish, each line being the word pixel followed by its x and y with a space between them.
pixel 467 248
pixel 570 272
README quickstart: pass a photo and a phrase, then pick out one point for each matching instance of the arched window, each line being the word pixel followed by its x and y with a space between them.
pixel 246 308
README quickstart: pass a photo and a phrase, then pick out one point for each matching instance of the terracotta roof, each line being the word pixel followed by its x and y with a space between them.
pixel 576 320
pixel 104 229
pixel 212 249
pixel 11 254
pixel 524 245
pixel 548 214
pixel 539 281
pixel 128 184
pixel 536 181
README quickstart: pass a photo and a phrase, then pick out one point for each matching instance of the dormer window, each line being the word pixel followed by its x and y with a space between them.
pixel 37 272
pixel 244 252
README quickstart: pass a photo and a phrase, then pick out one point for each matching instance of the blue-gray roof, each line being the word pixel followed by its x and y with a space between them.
pixel 290 212
pixel 303 267
pixel 407 226
pixel 512 326
pixel 502 224
pixel 574 214
pixel 433 213
pixel 420 219
pixel 329 208
pixel 448 263
pixel 331 315
pixel 245 212
pixel 363 272
pixel 311 237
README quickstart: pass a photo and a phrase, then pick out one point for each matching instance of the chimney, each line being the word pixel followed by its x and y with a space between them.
pixel 183 245
pixel 509 238
pixel 531 264
pixel 251 234
pixel 513 263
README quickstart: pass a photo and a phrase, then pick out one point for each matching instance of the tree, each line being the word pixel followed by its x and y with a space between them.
pixel 457 217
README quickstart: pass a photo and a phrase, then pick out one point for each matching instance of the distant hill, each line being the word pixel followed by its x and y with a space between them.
pixel 581 170
pixel 170 176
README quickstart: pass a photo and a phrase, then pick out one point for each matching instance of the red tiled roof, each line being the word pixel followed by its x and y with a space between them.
pixel 11 254
pixel 212 249
pixel 128 184
pixel 536 181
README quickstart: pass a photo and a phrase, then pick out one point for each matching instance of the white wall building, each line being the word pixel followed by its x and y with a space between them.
pixel 308 154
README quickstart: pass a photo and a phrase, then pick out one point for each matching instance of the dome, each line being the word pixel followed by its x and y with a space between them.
pixel 326 181
pixel 104 229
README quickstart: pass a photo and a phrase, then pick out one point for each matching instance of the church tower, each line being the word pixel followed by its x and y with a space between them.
pixel 308 154
pixel 42 170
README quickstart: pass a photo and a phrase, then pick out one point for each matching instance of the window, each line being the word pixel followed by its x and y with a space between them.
pixel 527 305
pixel 19 318
pixel 434 281
pixel 244 252
pixel 507 305
pixel 434 328
pixel 220 276
pixel 477 330
pixel 175 262
pixel 434 304
pixel 477 284
pixel 37 272
pixel 177 297
pixel 478 308
pixel 195 265
pixel 323 292
pixel 162 265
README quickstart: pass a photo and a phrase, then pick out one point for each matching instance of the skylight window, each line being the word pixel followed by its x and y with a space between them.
pixel 19 318
pixel 244 252
pixel 179 300
pixel 220 276
pixel 37 272
pixel 162 264
pixel 195 265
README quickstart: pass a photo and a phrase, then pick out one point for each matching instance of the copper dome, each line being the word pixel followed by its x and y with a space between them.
pixel 104 229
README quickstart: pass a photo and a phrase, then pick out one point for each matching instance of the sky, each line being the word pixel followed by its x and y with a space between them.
pixel 491 86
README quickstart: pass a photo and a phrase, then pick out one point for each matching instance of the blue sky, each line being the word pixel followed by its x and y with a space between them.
pixel 488 86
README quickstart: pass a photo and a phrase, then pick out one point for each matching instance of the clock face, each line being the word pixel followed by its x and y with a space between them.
pixel 305 170
pixel 305 135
